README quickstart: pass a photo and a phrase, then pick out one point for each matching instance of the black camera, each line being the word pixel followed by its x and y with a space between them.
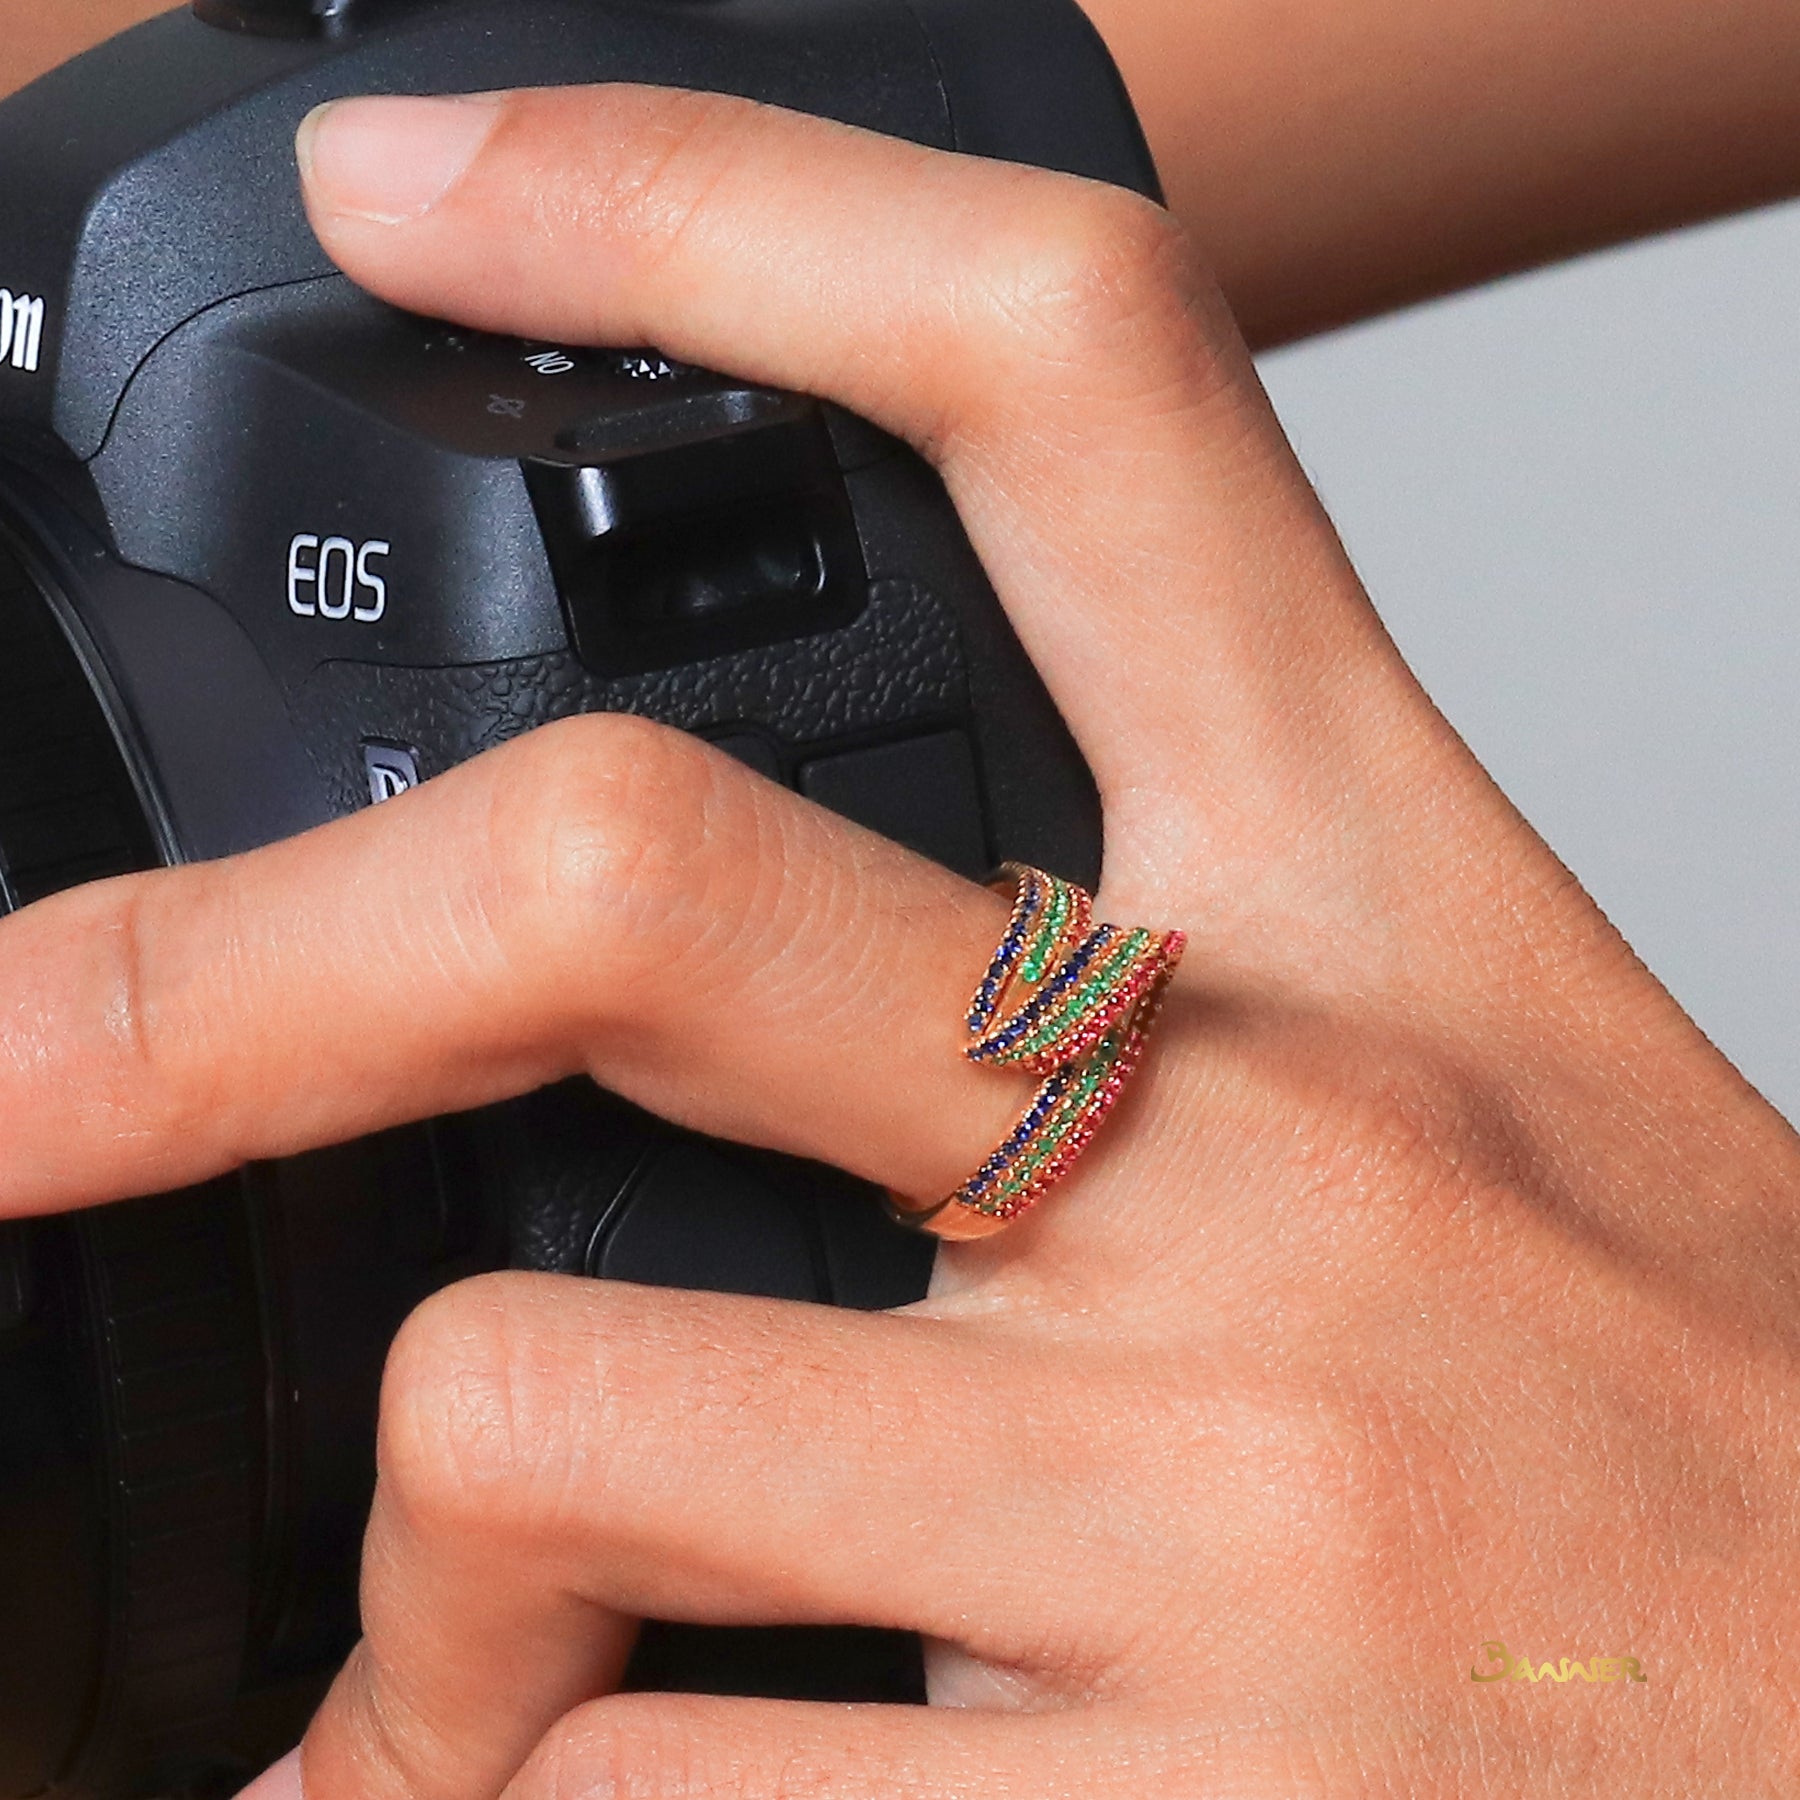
pixel 271 551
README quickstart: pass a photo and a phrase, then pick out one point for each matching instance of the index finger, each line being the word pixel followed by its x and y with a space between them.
pixel 605 896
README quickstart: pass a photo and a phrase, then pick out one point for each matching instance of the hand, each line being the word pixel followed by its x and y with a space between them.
pixel 1433 1285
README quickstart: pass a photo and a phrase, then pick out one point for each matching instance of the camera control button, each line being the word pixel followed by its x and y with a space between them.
pixel 701 1218
pixel 753 750
pixel 921 792
pixel 392 771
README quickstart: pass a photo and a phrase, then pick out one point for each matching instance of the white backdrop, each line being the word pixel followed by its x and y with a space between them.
pixel 1575 497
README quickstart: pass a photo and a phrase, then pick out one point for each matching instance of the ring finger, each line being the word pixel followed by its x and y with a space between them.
pixel 558 1457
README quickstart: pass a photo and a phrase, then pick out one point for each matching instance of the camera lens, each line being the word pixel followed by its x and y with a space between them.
pixel 67 814
pixel 132 1370
pixel 188 1382
pixel 51 1530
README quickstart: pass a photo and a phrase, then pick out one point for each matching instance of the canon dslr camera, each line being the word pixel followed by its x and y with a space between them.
pixel 271 551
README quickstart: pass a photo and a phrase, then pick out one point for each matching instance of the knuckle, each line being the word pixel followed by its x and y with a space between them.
pixel 148 1031
pixel 654 179
pixel 601 821
pixel 1095 271
pixel 693 148
pixel 135 1026
pixel 666 1749
pixel 475 1427
pixel 614 1747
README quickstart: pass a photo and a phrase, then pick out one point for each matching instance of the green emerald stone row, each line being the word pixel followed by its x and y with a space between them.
pixel 1087 998
pixel 1056 921
pixel 1058 1129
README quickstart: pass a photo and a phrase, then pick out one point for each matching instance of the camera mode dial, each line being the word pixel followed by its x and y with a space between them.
pixel 277 18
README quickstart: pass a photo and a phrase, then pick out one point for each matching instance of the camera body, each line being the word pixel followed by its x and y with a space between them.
pixel 270 552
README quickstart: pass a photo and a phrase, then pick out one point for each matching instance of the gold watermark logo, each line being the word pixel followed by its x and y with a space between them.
pixel 1521 1668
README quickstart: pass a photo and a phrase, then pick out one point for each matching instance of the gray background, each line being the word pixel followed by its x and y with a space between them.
pixel 1575 497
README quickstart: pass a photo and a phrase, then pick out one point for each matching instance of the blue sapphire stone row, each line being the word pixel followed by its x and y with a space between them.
pixel 1008 1153
pixel 987 996
pixel 1047 996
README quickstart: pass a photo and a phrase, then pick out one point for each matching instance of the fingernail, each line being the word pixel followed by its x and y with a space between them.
pixel 279 1783
pixel 392 160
